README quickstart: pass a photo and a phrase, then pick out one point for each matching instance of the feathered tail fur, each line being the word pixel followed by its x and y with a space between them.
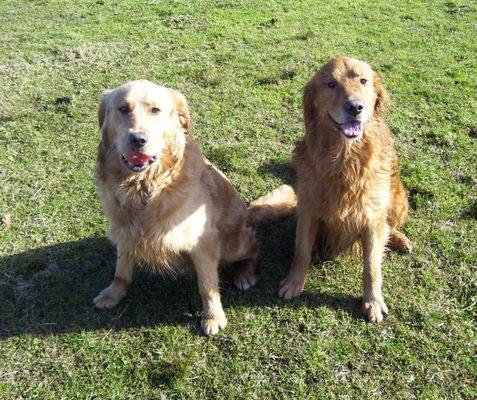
pixel 278 203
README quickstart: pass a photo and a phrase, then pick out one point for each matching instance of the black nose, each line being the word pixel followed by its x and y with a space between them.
pixel 138 140
pixel 353 107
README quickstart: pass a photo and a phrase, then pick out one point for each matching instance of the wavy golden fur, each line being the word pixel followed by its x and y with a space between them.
pixel 348 184
pixel 178 209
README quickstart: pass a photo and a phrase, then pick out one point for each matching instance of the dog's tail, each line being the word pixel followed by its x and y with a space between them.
pixel 278 203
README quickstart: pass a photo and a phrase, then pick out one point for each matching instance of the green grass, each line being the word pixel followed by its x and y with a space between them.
pixel 242 66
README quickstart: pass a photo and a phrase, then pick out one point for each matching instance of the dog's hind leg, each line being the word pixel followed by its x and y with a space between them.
pixel 245 277
pixel 247 255
pixel 306 233
pixel 399 242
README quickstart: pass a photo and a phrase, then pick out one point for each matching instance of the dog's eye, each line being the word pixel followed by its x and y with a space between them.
pixel 331 84
pixel 363 81
pixel 124 109
pixel 155 110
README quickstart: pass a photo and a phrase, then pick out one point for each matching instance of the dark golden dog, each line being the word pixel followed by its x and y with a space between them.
pixel 348 188
pixel 167 205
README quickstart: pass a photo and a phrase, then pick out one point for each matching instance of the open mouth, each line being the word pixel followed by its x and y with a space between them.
pixel 136 161
pixel 351 129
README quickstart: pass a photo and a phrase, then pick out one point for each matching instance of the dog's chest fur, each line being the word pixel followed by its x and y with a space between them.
pixel 159 235
pixel 156 221
pixel 346 186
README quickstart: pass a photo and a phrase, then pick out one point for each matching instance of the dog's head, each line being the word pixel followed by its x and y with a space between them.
pixel 139 119
pixel 346 93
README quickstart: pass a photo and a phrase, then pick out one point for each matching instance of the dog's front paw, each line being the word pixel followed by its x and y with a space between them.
pixel 212 325
pixel 291 287
pixel 109 297
pixel 374 310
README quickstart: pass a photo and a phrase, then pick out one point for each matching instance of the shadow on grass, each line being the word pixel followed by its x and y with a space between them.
pixel 50 290
pixel 280 169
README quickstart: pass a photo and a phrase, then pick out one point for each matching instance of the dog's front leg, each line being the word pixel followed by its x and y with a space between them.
pixel 373 241
pixel 111 295
pixel 206 265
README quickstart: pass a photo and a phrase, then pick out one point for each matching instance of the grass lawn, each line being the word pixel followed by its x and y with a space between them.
pixel 242 66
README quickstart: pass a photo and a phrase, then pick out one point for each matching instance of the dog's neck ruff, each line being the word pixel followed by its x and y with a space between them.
pixel 138 190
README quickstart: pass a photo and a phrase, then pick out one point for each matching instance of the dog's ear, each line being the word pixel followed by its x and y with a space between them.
pixel 102 109
pixel 310 110
pixel 102 117
pixel 382 97
pixel 182 109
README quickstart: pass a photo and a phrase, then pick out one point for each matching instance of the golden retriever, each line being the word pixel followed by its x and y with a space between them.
pixel 167 205
pixel 348 185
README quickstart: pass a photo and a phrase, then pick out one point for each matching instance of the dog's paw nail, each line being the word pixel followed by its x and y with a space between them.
pixel 245 281
pixel 212 325
pixel 105 300
pixel 374 310
pixel 242 285
pixel 289 289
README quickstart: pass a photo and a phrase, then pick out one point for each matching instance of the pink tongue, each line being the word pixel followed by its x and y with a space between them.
pixel 136 158
pixel 352 129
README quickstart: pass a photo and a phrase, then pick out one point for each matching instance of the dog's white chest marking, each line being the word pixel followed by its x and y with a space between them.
pixel 184 231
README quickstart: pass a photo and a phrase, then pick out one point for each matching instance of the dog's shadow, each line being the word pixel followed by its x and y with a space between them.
pixel 279 168
pixel 50 290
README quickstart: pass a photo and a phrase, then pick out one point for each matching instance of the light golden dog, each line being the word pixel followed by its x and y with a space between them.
pixel 167 205
pixel 348 186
